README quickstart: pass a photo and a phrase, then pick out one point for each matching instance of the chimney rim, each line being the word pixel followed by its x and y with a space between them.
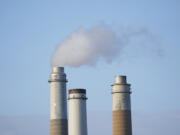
pixel 77 90
pixel 57 69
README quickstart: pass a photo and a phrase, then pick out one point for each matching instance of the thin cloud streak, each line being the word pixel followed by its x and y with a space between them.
pixel 156 123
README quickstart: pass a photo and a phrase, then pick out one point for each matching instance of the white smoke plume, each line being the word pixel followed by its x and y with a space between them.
pixel 88 46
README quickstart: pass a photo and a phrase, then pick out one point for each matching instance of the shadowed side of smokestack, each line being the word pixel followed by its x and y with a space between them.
pixel 77 112
pixel 121 107
pixel 58 102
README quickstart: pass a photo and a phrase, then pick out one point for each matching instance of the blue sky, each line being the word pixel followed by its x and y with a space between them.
pixel 31 30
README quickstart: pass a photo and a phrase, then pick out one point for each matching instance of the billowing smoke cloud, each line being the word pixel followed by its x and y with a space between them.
pixel 88 46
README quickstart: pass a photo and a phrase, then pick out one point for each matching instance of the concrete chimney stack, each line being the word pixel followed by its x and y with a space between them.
pixel 58 102
pixel 121 107
pixel 77 112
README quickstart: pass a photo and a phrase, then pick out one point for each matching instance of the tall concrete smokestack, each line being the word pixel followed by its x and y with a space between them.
pixel 121 107
pixel 58 102
pixel 77 112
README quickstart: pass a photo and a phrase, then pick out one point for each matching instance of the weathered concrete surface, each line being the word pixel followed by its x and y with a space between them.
pixel 59 127
pixel 122 122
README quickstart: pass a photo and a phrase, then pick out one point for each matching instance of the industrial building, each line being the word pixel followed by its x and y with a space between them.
pixel 76 124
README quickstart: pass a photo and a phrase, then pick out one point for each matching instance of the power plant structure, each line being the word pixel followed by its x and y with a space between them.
pixel 76 124
pixel 58 102
pixel 77 112
pixel 121 107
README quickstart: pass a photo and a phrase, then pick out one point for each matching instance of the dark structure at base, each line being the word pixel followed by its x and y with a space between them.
pixel 59 127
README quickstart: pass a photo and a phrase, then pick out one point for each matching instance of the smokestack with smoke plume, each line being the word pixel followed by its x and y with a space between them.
pixel 87 46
